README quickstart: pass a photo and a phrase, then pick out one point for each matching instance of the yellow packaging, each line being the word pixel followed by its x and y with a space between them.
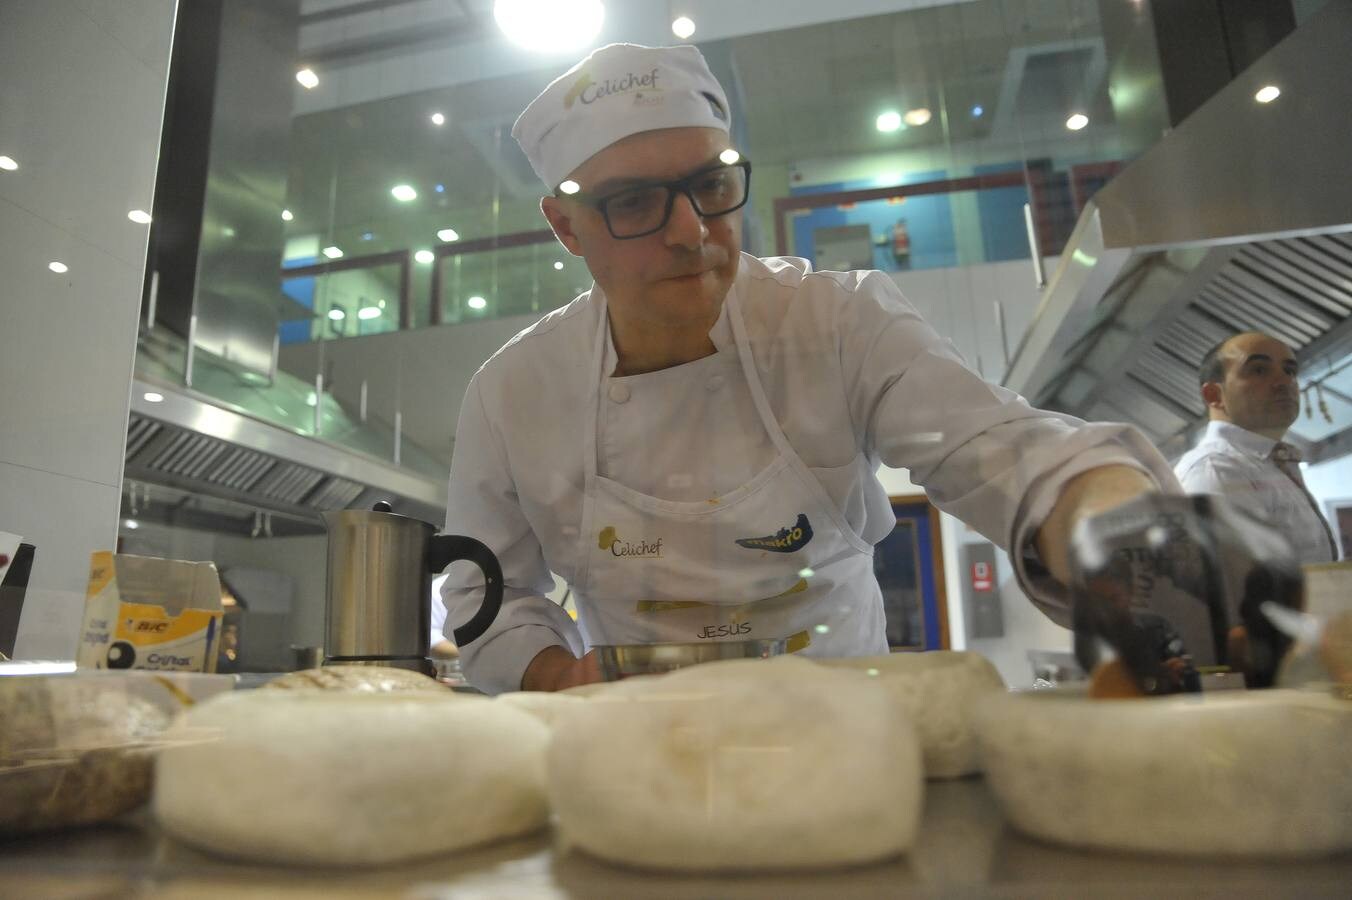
pixel 146 613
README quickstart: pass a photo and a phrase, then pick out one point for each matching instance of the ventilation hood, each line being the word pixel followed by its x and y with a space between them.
pixel 1239 219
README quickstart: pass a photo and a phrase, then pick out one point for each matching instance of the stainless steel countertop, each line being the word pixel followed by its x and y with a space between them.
pixel 965 850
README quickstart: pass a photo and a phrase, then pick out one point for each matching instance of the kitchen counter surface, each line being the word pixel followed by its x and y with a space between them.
pixel 964 850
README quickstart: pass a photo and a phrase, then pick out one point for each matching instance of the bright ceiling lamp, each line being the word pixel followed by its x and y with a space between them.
pixel 1077 121
pixel 308 79
pixel 337 315
pixel 286 215
pixel 332 252
pixel 916 117
pixel 889 121
pixel 59 268
pixel 476 302
pixel 438 118
pixel 368 312
pixel 1267 93
pixel 683 27
pixel 448 235
pixel 550 25
pixel 139 216
pixel 8 164
pixel 403 193
pixel 424 256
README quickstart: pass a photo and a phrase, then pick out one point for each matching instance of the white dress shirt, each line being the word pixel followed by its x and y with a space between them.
pixel 1237 464
pixel 847 365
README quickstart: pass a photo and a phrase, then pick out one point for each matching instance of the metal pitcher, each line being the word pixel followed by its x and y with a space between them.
pixel 380 568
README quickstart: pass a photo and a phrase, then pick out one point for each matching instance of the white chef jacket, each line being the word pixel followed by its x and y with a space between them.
pixel 847 364
pixel 1235 463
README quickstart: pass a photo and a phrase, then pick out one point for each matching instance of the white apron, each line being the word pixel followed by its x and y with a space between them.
pixel 772 559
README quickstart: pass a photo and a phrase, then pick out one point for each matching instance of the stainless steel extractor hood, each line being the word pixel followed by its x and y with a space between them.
pixel 1239 219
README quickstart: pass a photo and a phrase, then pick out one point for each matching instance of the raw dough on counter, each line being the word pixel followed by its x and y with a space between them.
pixel 74 750
pixel 338 779
pixel 368 679
pixel 1253 773
pixel 547 706
pixel 939 690
pixel 742 765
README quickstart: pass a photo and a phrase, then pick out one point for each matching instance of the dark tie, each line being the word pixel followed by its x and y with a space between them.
pixel 1287 458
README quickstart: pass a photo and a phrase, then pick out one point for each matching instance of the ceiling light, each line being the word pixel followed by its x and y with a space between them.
pixel 424 256
pixel 1077 121
pixel 337 315
pixel 404 193
pixel 569 187
pixel 332 252
pixel 889 121
pixel 476 302
pixel 729 156
pixel 440 188
pixel 558 265
pixel 380 303
pixel 311 399
pixel 917 117
pixel 438 119
pixel 368 235
pixel 550 25
pixel 8 164
pixel 286 215
pixel 130 524
pixel 307 78
pixel 683 27
pixel 58 267
pixel 448 234
pixel 154 397
pixel 139 216
pixel 368 312
pixel 978 111
pixel 1267 93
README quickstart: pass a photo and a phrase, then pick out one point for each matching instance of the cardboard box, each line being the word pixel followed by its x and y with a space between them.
pixel 146 613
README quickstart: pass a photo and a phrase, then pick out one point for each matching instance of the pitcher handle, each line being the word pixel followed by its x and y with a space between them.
pixel 444 549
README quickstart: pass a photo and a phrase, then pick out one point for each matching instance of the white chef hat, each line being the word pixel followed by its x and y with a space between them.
pixel 618 90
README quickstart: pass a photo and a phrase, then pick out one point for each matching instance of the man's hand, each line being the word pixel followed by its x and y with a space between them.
pixel 1085 495
pixel 555 668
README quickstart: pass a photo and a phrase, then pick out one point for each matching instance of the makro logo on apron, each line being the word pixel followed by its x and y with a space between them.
pixel 588 90
pixel 608 539
pixel 785 540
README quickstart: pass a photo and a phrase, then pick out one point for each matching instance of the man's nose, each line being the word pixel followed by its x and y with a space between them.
pixel 686 227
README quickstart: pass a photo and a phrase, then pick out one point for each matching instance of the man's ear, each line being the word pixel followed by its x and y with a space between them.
pixel 1212 396
pixel 559 219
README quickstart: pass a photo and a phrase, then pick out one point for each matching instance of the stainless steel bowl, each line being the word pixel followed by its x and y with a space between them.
pixel 626 660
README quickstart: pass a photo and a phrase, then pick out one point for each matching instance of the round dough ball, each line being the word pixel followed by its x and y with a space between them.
pixel 1263 773
pixel 939 690
pixel 743 765
pixel 74 750
pixel 546 706
pixel 367 679
pixel 336 779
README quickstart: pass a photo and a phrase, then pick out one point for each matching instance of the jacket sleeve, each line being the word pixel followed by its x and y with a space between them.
pixel 482 503
pixel 981 452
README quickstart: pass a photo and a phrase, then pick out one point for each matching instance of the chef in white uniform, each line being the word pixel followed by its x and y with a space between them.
pixel 692 443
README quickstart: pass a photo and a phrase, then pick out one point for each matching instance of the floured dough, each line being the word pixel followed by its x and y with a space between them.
pixel 319 778
pixel 546 706
pixel 1264 773
pixel 743 765
pixel 939 690
pixel 367 679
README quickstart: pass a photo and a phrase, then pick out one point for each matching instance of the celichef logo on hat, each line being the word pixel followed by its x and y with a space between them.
pixel 588 90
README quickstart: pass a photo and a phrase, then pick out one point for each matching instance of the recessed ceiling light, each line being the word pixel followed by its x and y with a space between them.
pixel 550 25
pixel 438 119
pixel 139 216
pixel 1077 121
pixel 1268 93
pixel 729 156
pixel 307 78
pixel 570 187
pixel 683 27
pixel 978 111
pixel 917 117
pixel 286 215
pixel 337 314
pixel 889 121
pixel 404 193
pixel 332 252
pixel 448 234
pixel 368 312
pixel 558 265
pixel 153 397
pixel 424 256
pixel 58 267
pixel 8 164
pixel 130 524
pixel 476 302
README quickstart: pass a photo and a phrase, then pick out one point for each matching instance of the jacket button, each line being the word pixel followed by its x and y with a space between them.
pixel 619 392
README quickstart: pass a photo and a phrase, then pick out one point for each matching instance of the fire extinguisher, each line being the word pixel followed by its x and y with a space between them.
pixel 901 244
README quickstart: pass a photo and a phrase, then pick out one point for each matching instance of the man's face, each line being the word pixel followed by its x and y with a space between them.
pixel 1260 392
pixel 677 276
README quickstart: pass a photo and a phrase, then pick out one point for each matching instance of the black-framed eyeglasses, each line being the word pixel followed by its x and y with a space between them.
pixel 645 209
